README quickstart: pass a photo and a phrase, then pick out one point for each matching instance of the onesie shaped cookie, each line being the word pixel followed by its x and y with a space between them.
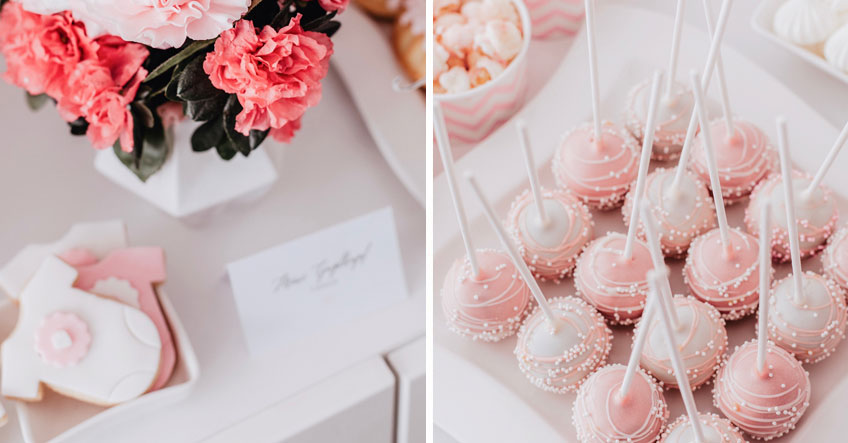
pixel 129 276
pixel 79 344
pixel 99 238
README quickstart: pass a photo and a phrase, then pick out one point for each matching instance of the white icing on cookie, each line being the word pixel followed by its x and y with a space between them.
pixel 118 289
pixel 121 360
pixel 99 238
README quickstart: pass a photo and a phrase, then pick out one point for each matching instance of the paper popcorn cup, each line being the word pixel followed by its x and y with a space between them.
pixel 472 115
pixel 555 18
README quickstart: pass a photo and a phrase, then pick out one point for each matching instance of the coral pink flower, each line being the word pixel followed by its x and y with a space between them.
pixel 276 75
pixel 160 23
pixel 41 50
pixel 109 117
pixel 333 5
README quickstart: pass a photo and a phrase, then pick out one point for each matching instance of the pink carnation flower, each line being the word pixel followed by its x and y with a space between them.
pixel 160 23
pixel 41 50
pixel 276 75
pixel 333 5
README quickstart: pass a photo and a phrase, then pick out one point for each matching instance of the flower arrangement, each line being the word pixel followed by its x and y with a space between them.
pixel 122 72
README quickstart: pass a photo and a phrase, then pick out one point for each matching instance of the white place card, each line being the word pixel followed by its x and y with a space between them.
pixel 317 282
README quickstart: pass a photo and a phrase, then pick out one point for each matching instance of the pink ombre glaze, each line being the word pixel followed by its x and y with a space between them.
pixel 488 307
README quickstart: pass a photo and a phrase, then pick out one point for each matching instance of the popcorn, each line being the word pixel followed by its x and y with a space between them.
pixel 475 41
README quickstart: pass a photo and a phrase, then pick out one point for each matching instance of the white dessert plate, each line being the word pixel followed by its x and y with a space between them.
pixel 365 59
pixel 763 22
pixel 480 394
pixel 62 419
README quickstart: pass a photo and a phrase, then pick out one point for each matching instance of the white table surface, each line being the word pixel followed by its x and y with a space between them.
pixel 330 173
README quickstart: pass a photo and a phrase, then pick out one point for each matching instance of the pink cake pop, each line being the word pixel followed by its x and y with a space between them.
pixel 744 158
pixel 698 329
pixel 835 258
pixel 601 415
pixel 549 227
pixel 563 340
pixel 721 268
pixel 716 430
pixel 765 404
pixel 482 297
pixel 761 388
pixel 675 108
pixel 807 311
pixel 596 161
pixel 610 273
pixel 815 206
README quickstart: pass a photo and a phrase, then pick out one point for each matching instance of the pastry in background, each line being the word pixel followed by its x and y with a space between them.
pixel 408 39
pixel 384 9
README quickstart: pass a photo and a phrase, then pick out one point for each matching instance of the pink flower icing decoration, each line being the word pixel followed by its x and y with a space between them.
pixel 62 340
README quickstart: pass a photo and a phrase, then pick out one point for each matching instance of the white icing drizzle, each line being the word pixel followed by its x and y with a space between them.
pixel 672 118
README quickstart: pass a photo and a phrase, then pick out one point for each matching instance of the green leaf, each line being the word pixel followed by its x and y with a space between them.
pixel 145 115
pixel 312 25
pixel 187 51
pixel 171 87
pixel 208 135
pixel 226 149
pixel 203 110
pixel 194 84
pixel 151 150
pixel 36 102
pixel 240 141
pixel 78 126
pixel 257 137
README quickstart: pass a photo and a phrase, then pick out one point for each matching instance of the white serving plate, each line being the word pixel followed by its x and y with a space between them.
pixel 763 22
pixel 480 395
pixel 62 419
pixel 365 59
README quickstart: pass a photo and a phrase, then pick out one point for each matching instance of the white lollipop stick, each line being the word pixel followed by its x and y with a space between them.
pixel 638 346
pixel 644 162
pixel 789 196
pixel 532 174
pixel 675 48
pixel 706 76
pixel 654 278
pixel 828 161
pixel 656 258
pixel 765 275
pixel 593 70
pixel 712 165
pixel 512 252
pixel 447 163
pixel 722 82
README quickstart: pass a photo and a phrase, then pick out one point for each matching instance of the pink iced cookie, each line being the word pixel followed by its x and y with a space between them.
pixel 129 276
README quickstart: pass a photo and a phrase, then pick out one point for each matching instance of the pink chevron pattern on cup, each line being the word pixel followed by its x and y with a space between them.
pixel 471 118
pixel 555 18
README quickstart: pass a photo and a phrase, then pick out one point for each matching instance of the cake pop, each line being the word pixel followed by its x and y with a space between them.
pixel 601 415
pixel 835 258
pixel 482 297
pixel 596 161
pixel 698 328
pixel 721 268
pixel 807 312
pixel 716 430
pixel 563 340
pixel 550 227
pixel 619 403
pixel 675 107
pixel 815 207
pixel 610 273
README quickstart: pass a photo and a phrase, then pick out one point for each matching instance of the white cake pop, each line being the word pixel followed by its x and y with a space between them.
pixel 806 23
pixel 716 430
pixel 699 332
pixel 807 312
pixel 563 340
pixel 482 297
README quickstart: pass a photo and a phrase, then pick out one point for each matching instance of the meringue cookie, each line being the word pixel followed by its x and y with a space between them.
pixel 805 22
pixel 501 40
pixel 440 59
pixel 836 49
pixel 455 80
pixel 443 22
pixel 459 38
pixel 839 6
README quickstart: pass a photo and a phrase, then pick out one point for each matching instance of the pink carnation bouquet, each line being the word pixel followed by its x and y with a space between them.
pixel 123 71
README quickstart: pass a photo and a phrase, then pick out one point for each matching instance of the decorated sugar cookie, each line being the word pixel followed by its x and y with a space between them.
pixel 129 276
pixel 79 344
pixel 99 238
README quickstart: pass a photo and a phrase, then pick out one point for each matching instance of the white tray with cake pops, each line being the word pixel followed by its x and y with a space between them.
pixel 494 391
